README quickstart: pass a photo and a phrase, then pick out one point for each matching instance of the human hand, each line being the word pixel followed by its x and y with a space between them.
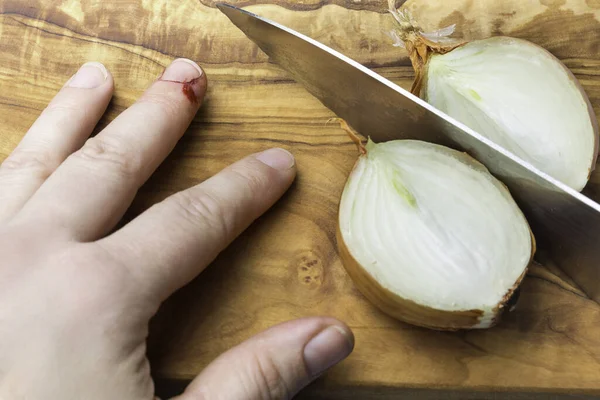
pixel 76 298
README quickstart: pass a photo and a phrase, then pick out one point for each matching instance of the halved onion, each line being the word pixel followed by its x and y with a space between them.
pixel 430 237
pixel 521 97
pixel 510 90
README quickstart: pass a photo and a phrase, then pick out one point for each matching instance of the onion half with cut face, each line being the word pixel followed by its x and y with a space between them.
pixel 430 237
pixel 512 91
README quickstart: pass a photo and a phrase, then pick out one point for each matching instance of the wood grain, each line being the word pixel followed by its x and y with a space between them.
pixel 286 265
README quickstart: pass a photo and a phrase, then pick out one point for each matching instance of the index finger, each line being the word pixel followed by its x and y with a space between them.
pixel 173 241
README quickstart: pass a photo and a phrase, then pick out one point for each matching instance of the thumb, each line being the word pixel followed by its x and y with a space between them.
pixel 276 363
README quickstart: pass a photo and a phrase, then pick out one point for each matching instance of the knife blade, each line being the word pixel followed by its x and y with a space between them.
pixel 565 222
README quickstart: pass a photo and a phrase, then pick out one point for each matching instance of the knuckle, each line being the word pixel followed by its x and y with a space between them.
pixel 37 162
pixel 205 209
pixel 270 379
pixel 110 152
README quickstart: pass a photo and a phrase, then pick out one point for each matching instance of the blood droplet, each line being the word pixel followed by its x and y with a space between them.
pixel 187 88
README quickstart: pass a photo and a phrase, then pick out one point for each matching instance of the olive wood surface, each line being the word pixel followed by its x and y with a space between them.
pixel 287 264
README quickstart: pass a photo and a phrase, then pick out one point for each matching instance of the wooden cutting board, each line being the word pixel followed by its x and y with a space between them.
pixel 286 265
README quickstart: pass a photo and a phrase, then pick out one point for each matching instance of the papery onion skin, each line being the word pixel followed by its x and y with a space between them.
pixel 411 312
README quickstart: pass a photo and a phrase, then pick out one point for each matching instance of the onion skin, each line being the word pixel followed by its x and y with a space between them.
pixel 410 312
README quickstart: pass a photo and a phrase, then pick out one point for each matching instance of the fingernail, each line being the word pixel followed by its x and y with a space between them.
pixel 186 72
pixel 328 348
pixel 89 76
pixel 277 158
pixel 182 70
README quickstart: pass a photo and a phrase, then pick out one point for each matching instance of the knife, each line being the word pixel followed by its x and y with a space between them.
pixel 565 222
